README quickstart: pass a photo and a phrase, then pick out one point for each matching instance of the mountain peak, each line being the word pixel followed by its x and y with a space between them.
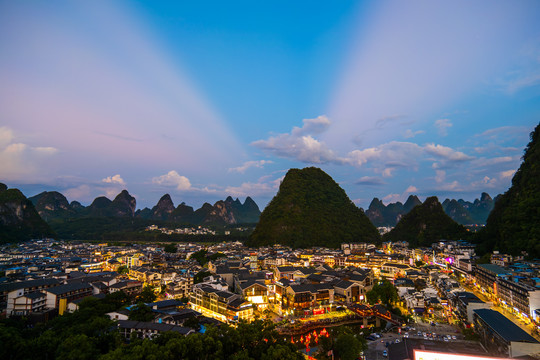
pixel 311 209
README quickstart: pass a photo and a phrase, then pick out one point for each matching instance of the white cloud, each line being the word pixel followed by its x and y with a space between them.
pixel 394 153
pixel 370 180
pixel 506 175
pixel 261 188
pixel 446 153
pixel 22 162
pixel 526 81
pixel 442 126
pixel 249 164
pixel 411 189
pixel 392 198
pixel 312 126
pixel 300 144
pixel 172 178
pixel 116 179
pixel 410 134
pixel 440 176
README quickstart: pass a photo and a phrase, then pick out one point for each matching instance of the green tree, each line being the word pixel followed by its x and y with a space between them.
pixel 141 312
pixel 198 278
pixel 122 269
pixel 200 257
pixel 170 248
pixel 349 347
pixel 383 292
pixel 147 295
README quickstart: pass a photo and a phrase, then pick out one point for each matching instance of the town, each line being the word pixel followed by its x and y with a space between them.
pixel 400 299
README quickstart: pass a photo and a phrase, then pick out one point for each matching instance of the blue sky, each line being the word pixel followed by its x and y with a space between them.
pixel 203 100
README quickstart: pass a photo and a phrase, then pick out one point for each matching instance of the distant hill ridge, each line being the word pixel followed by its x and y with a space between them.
pixel 53 206
pixel 461 211
pixel 425 224
pixel 311 209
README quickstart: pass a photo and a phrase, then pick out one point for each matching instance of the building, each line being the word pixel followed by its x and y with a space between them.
pixel 305 298
pixel 465 303
pixel 520 298
pixel 26 304
pixel 58 297
pixel 222 305
pixel 486 276
pixel 501 336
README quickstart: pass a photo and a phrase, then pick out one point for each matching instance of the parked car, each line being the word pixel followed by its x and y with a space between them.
pixel 385 353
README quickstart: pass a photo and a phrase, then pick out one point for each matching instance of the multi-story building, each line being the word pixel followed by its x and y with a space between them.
pixel 26 304
pixel 521 298
pixel 486 276
pixel 221 305
pixel 307 297
pixel 58 297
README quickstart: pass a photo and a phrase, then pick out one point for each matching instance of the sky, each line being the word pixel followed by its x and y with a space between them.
pixel 202 100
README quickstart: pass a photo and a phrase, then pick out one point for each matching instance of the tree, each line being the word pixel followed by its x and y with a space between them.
pixel 349 347
pixel 198 278
pixel 200 256
pixel 122 269
pixel 383 292
pixel 147 295
pixel 170 248
pixel 141 313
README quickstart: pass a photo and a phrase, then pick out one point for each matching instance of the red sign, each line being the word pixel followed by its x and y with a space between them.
pixel 318 311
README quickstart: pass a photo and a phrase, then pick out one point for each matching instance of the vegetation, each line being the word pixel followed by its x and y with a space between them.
pixel 311 209
pixel 170 248
pixel 343 343
pixel 122 269
pixel 19 220
pixel 89 334
pixel 382 292
pixel 198 278
pixel 514 224
pixel 381 215
pixel 426 224
pixel 203 258
pixel 147 295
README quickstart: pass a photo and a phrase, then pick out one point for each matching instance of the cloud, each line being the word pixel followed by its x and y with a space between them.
pixel 312 126
pixel 410 134
pixel 173 179
pixel 249 164
pixel 442 126
pixel 116 179
pixel 300 144
pixel 411 189
pixel 504 132
pixel 440 176
pixel 370 180
pixel 263 187
pixel 22 162
pixel 394 153
pixel 446 153
pixel 506 175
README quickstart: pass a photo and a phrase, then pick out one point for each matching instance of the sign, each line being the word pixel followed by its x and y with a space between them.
pixel 318 311
pixel 432 355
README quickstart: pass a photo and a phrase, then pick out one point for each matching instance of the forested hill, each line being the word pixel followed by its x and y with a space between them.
pixel 311 209
pixel 514 223
pixel 425 224
pixel 19 219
